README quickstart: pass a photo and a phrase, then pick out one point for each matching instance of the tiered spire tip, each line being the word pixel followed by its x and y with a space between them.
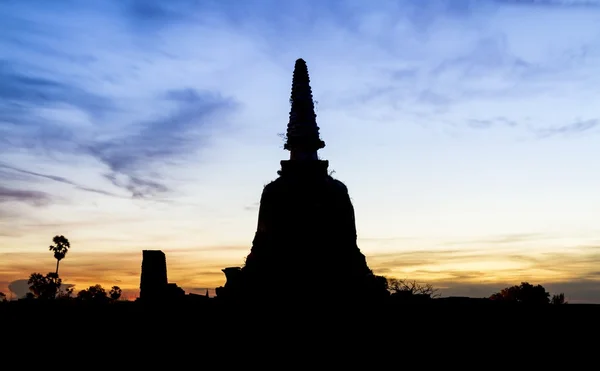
pixel 302 130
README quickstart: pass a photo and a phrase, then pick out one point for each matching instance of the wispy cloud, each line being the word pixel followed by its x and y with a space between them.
pixel 570 129
pixel 48 107
pixel 26 88
pixel 477 264
pixel 56 179
pixel 563 3
pixel 476 272
pixel 504 239
pixel 26 95
pixel 177 133
pixel 490 123
pixel 35 198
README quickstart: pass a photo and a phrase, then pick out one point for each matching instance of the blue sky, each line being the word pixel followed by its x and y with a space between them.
pixel 466 132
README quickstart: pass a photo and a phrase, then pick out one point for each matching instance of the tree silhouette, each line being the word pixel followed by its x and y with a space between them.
pixel 44 287
pixel 2 296
pixel 66 294
pixel 524 293
pixel 93 293
pixel 558 299
pixel 115 293
pixel 411 288
pixel 60 248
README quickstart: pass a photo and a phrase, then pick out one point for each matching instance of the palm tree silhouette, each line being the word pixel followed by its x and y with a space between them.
pixel 60 248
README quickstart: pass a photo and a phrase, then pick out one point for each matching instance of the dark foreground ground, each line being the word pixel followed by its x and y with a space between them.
pixel 212 314
pixel 428 332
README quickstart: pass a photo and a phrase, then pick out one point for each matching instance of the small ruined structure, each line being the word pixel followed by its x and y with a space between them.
pixel 305 243
pixel 154 284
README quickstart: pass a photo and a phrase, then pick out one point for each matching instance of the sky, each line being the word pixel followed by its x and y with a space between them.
pixel 466 132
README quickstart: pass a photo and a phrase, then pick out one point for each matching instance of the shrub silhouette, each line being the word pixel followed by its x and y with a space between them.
pixel 66 294
pixel 558 299
pixel 94 293
pixel 404 288
pixel 524 293
pixel 115 293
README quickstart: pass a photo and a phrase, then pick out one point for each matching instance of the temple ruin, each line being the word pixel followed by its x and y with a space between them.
pixel 305 242
pixel 154 284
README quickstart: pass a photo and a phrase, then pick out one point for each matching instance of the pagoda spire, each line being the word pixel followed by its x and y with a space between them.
pixel 302 137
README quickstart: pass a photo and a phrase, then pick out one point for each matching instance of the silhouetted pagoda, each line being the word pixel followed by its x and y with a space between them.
pixel 305 243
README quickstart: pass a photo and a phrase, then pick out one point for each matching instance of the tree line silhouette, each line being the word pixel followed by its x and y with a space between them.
pixel 48 287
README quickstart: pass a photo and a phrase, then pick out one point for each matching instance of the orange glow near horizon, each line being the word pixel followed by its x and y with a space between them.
pixel 196 271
